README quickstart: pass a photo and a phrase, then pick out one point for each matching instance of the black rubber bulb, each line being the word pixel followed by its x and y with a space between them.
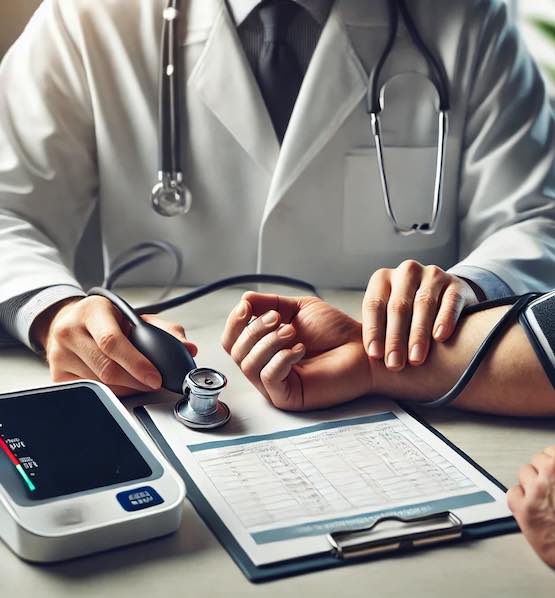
pixel 170 357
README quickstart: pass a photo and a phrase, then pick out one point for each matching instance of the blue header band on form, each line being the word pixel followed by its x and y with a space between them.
pixel 356 421
pixel 320 528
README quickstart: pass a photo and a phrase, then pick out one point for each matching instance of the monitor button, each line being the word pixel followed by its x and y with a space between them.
pixel 139 498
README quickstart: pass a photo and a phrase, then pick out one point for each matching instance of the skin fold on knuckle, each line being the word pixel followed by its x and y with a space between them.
pixel 108 341
pixel 395 342
pixel 107 371
pixel 419 334
pixel 374 304
pixel 400 306
pixel 237 354
pixel 373 332
pixel 64 329
pixel 452 299
pixel 269 376
pixel 251 368
pixel 425 299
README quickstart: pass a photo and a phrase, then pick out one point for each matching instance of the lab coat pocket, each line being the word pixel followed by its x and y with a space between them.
pixel 411 175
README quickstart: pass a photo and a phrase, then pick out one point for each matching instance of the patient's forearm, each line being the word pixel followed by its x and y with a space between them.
pixel 510 381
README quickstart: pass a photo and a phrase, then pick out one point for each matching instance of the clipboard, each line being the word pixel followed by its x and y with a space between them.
pixel 432 530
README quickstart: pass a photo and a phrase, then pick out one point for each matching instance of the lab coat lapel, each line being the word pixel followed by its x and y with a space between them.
pixel 333 86
pixel 225 82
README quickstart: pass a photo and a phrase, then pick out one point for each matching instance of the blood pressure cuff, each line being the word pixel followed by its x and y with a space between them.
pixel 538 320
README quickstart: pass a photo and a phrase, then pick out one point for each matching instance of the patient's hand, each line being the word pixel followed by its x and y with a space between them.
pixel 532 502
pixel 300 352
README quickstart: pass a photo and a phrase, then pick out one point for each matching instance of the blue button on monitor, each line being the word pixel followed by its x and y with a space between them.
pixel 139 498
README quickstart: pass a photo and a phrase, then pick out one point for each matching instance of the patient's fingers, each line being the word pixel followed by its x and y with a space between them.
pixel 282 386
pixel 264 351
pixel 252 333
pixel 287 307
pixel 236 322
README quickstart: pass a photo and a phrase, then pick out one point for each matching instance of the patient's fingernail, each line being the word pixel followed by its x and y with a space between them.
pixel 417 353
pixel 270 318
pixel 374 349
pixel 285 331
pixel 394 359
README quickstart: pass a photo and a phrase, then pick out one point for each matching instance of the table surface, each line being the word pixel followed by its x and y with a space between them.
pixel 192 562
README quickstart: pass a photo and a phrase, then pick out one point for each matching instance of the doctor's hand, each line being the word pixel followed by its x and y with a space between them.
pixel 87 338
pixel 406 307
pixel 532 502
pixel 300 352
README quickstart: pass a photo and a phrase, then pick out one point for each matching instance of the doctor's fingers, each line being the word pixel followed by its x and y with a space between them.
pixel 425 308
pixel 75 369
pixel 96 319
pixel 113 345
pixel 456 296
pixel 405 282
pixel 90 363
pixel 374 308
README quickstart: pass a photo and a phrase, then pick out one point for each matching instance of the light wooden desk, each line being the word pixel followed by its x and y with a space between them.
pixel 192 563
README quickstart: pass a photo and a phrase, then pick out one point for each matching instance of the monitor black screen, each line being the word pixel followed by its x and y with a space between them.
pixel 59 442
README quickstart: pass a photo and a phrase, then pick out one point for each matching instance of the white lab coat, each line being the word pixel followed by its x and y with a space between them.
pixel 78 124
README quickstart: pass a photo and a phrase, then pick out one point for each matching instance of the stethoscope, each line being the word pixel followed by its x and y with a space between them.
pixel 171 197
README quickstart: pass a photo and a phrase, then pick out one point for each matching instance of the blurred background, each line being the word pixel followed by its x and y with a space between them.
pixel 536 18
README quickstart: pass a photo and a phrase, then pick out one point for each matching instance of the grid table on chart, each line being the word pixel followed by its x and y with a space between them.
pixel 329 472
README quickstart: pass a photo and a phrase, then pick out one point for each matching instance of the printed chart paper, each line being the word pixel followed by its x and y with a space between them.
pixel 285 483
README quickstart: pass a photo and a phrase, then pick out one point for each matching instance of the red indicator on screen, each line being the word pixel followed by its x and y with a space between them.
pixel 17 464
pixel 8 452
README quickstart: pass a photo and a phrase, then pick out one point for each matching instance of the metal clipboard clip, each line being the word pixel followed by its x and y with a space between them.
pixel 413 533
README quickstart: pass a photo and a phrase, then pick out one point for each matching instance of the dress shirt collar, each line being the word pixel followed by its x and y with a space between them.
pixel 318 9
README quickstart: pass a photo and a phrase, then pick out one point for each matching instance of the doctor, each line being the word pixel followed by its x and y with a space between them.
pixel 288 185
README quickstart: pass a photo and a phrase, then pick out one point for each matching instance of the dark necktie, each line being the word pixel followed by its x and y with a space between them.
pixel 279 75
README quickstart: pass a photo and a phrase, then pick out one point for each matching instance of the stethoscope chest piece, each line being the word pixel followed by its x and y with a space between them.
pixel 200 408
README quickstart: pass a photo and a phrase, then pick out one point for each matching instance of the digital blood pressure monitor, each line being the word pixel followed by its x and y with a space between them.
pixel 78 475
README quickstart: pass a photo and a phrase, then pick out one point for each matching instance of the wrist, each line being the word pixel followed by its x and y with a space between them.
pixel 40 329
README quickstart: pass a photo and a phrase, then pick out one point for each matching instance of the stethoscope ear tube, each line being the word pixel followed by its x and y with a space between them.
pixel 375 102
pixel 170 196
